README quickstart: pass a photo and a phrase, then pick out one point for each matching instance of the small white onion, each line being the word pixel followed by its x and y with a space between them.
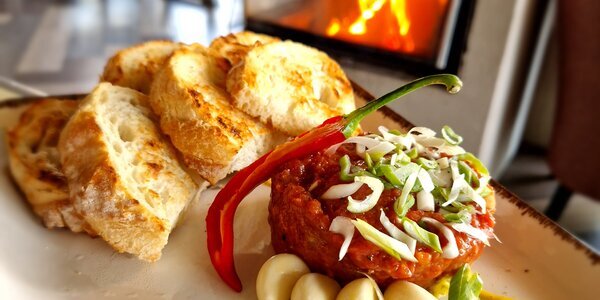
pixel 343 226
pixel 407 290
pixel 472 231
pixel 315 286
pixel 396 233
pixel 425 201
pixel 358 289
pixel 360 206
pixel 449 251
pixel 278 275
pixel 341 190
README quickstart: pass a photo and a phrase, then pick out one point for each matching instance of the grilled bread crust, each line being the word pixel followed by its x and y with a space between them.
pixel 195 111
pixel 234 46
pixel 35 164
pixel 134 67
pixel 124 177
pixel 291 86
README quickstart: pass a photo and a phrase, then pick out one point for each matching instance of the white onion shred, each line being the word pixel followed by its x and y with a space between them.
pixel 424 132
pixel 472 231
pixel 368 203
pixel 360 150
pixel 341 190
pixel 425 201
pixel 406 141
pixel 449 251
pixel 458 183
pixel 443 162
pixel 451 149
pixel 473 195
pixel 382 149
pixel 441 178
pixel 331 150
pixel 389 136
pixel 408 185
pixel 343 226
pixel 396 233
pixel 430 141
pixel 425 180
pixel 483 182
pixel 362 140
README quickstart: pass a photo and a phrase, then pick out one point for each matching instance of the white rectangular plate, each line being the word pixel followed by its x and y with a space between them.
pixel 536 259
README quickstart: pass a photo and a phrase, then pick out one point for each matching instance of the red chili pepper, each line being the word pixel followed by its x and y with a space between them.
pixel 219 220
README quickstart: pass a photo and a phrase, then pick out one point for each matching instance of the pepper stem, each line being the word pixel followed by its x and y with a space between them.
pixel 452 83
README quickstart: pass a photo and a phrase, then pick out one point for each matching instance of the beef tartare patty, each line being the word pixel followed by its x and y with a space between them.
pixel 300 222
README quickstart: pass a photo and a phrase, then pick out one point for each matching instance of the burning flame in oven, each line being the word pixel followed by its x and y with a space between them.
pixel 389 24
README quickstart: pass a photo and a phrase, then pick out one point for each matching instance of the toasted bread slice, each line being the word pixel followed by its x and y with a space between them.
pixel 195 111
pixel 35 163
pixel 234 46
pixel 124 177
pixel 134 67
pixel 292 86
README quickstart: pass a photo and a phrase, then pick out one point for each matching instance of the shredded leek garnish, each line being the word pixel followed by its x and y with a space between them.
pixel 450 136
pixel 428 238
pixel 391 246
pixel 474 162
pixel 361 206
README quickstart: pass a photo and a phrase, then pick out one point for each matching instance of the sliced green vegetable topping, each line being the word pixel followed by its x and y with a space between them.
pixel 426 163
pixel 405 201
pixel 474 162
pixel 413 153
pixel 450 136
pixel 391 246
pixel 401 208
pixel 345 165
pixel 462 216
pixel 465 285
pixel 428 238
pixel 388 173
pixel 464 168
pixel 369 161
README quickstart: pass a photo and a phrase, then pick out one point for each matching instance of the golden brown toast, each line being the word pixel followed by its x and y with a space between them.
pixel 35 164
pixel 134 67
pixel 234 46
pixel 195 111
pixel 124 177
pixel 291 86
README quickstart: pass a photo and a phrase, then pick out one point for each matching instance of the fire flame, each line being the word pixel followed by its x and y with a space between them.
pixel 364 22
pixel 407 26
